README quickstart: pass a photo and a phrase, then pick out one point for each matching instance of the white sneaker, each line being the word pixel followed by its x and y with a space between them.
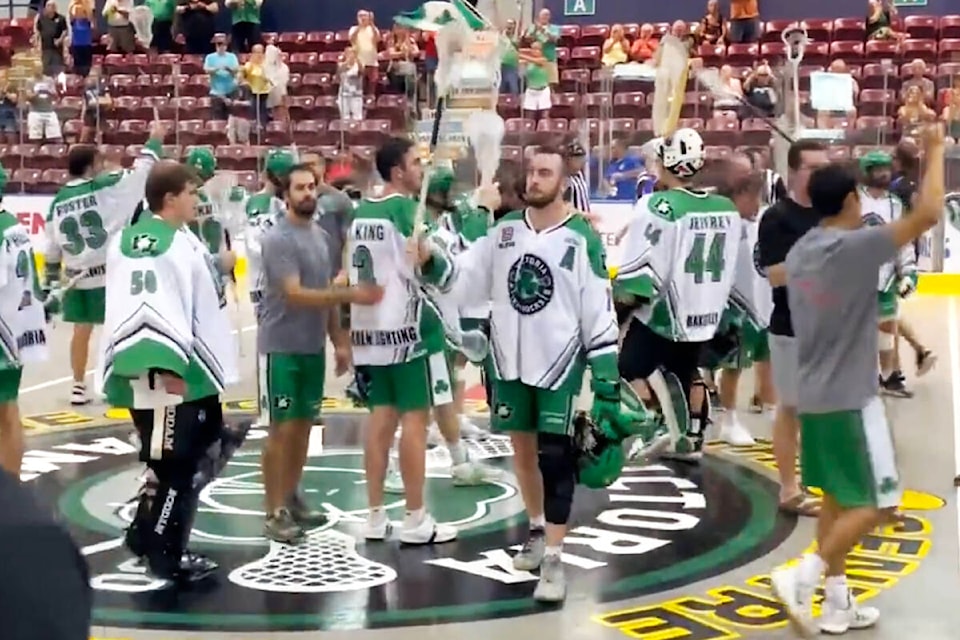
pixel 78 395
pixel 797 600
pixel 470 473
pixel 427 531
pixel 552 585
pixel 835 621
pixel 377 526
pixel 734 433
pixel 470 431
pixel 393 483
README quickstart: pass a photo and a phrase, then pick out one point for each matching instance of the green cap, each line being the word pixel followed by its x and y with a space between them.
pixel 278 162
pixel 203 160
pixel 876 158
pixel 441 181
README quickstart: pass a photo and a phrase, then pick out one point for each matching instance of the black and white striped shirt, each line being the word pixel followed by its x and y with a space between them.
pixel 774 188
pixel 578 192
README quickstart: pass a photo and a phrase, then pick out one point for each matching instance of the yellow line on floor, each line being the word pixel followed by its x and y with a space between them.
pixel 939 284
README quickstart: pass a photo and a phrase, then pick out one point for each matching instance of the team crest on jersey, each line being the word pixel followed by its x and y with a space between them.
pixel 530 284
pixel 506 238
pixel 144 243
pixel 873 220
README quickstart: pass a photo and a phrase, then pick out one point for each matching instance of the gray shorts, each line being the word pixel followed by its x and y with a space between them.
pixel 784 363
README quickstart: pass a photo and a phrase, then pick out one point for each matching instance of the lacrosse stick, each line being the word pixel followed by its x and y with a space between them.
pixel 221 189
pixel 669 85
pixel 142 20
pixel 710 80
pixel 485 130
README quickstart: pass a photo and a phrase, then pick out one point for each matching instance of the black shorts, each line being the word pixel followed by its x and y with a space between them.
pixel 181 432
pixel 643 351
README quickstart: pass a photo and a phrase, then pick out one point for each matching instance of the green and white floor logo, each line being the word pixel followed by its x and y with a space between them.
pixel 653 529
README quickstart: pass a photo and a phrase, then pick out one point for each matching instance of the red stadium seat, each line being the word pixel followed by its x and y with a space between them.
pixel 623 126
pixel 849 29
pixel 508 106
pixel 851 52
pixel 950 27
pixel 569 35
pixel 882 50
pixel 293 41
pixel 712 54
pixel 628 105
pixel 925 50
pixel 721 131
pixel 817 53
pixel 742 54
pixel 593 35
pixel 922 27
pixel 838 153
pixel 588 57
pixel 949 51
pixel 876 76
pixel 818 30
pixel 512 153
pixel 552 125
pixel 596 102
pixel 877 102
pixel 320 40
pixel 773 30
pixel 774 52
pixel 574 79
pixel 947 72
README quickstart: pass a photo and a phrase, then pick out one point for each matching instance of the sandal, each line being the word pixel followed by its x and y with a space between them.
pixel 802 504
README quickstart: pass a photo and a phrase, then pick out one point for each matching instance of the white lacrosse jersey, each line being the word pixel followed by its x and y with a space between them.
pixel 751 293
pixel 23 326
pixel 263 209
pixel 85 213
pixel 880 210
pixel 165 310
pixel 406 324
pixel 680 252
pixel 552 301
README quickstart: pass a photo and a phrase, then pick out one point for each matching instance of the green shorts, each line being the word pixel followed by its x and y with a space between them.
pixel 520 407
pixel 10 384
pixel 850 456
pixel 416 385
pixel 84 306
pixel 290 386
pixel 754 347
pixel 888 304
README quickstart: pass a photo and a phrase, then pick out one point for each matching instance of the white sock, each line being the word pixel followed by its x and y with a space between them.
pixel 731 417
pixel 552 551
pixel 414 517
pixel 377 513
pixel 540 522
pixel 837 592
pixel 458 453
pixel 810 569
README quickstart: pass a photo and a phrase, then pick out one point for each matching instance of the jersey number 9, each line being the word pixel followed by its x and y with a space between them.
pixel 362 262
pixel 703 260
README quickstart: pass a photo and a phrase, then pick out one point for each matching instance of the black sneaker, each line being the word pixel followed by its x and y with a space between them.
pixel 303 515
pixel 192 567
pixel 894 386
pixel 926 360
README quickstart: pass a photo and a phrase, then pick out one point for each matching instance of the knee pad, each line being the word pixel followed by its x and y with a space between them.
pixel 886 341
pixel 558 466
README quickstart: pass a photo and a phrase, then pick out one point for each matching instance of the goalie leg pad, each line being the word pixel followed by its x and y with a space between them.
pixel 558 467
pixel 165 529
pixel 673 405
pixel 699 417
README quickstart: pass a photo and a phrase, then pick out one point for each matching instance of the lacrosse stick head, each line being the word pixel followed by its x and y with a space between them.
pixel 485 131
pixel 669 84
pixel 141 18
pixel 223 190
pixel 795 37
pixel 450 39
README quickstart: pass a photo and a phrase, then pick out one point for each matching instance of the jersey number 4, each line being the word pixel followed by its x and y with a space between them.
pixel 83 232
pixel 703 259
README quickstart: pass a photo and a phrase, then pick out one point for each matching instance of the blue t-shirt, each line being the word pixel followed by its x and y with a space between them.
pixel 627 187
pixel 223 81
pixel 81 32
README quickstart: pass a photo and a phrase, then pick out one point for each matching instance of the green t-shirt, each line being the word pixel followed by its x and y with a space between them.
pixel 162 10
pixel 510 58
pixel 246 11
pixel 537 76
pixel 548 46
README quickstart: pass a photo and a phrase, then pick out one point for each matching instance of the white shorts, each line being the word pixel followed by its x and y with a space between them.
pixel 351 108
pixel 784 368
pixel 537 100
pixel 43 126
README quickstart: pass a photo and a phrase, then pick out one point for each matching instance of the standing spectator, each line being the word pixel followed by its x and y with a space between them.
pixel 880 17
pixel 222 66
pixel 917 79
pixel 536 99
pixel 123 38
pixel 645 46
pixel 198 24
pixel 51 28
pixel 278 73
pixel 81 35
pixel 97 103
pixel 162 29
pixel 9 110
pixel 616 48
pixel 713 28
pixel 430 62
pixel 744 25
pixel 402 51
pixel 254 76
pixel 546 35
pixel 34 9
pixel 245 15
pixel 365 40
pixel 732 91
pixel 510 62
pixel 43 125
pixel 350 96
pixel 951 112
pixel 622 173
pixel 759 89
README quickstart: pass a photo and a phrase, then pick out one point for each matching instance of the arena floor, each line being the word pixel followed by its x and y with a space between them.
pixel 668 552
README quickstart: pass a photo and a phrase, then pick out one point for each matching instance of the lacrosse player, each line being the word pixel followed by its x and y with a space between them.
pixel 846 444
pixel 263 209
pixel 210 225
pixel 677 271
pixel 84 214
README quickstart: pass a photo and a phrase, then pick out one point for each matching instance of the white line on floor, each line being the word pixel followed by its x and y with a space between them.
pixel 56 381
pixel 954 334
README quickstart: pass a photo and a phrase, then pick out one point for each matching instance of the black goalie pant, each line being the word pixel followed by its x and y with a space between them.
pixel 174 443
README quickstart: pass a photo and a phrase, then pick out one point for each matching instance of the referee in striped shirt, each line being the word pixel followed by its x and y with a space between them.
pixel 577 192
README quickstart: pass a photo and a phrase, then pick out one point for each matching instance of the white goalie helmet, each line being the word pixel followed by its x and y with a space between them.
pixel 682 153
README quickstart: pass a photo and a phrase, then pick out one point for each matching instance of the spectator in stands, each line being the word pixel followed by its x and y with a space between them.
pixel 679 29
pixel 732 89
pixel 713 27
pixel 123 38
pixel 914 110
pixel 744 25
pixel 880 17
pixel 645 46
pixel 510 63
pixel 430 61
pixel 43 125
pixel 222 66
pixel 402 52
pixel 97 103
pixel 825 118
pixel 255 78
pixel 198 24
pixel 365 40
pixel 547 35
pixel 34 8
pixel 245 15
pixel 760 91
pixel 52 30
pixel 512 180
pixel 162 29
pixel 951 112
pixel 917 79
pixel 616 48
pixel 9 110
pixel 278 73
pixel 350 95
pixel 81 35
pixel 622 172
pixel 536 99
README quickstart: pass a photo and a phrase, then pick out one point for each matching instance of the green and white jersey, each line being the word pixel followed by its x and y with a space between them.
pixel 751 296
pixel 880 210
pixel 680 252
pixel 165 310
pixel 23 326
pixel 85 213
pixel 263 209
pixel 469 223
pixel 406 324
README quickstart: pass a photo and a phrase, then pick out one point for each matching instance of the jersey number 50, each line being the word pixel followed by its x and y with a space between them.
pixel 702 260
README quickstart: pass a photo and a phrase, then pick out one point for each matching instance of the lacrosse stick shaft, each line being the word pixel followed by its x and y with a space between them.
pixel 424 186
pixel 176 100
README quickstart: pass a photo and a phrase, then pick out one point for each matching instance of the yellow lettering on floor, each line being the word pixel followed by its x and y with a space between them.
pixel 663 622
pixel 60 419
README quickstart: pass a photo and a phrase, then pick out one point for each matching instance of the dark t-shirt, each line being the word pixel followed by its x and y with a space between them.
pixel 50 29
pixel 780 227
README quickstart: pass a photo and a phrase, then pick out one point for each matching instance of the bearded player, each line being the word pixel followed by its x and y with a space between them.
pixel 86 211
pixel 677 271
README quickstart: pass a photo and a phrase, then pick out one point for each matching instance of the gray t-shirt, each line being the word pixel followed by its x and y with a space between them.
pixel 293 250
pixel 832 290
pixel 334 214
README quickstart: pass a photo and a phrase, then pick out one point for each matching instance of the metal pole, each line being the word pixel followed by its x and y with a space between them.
pixel 176 106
